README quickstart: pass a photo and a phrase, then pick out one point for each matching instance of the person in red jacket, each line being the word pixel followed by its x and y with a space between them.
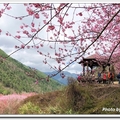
pixel 104 78
pixel 79 78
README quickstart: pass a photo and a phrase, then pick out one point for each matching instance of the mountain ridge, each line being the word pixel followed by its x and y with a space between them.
pixel 58 77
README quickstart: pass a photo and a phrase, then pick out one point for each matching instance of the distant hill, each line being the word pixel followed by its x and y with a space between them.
pixel 60 79
pixel 16 77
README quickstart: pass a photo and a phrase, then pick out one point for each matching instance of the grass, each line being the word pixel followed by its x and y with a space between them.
pixel 77 99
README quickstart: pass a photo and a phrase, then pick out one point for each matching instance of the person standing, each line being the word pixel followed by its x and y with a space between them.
pixel 79 78
pixel 118 77
pixel 110 77
pixel 104 78
pixel 99 77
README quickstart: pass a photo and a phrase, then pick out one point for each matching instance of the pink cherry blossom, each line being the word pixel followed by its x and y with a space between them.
pixel 36 15
pixel 80 14
pixel 25 32
pixel 23 46
pixel 33 30
pixel 30 11
pixel 21 27
pixel 18 36
pixel 32 24
pixel 51 27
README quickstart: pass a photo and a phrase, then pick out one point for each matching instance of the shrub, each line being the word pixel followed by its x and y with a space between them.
pixel 53 110
pixel 70 111
pixel 6 92
pixel 29 108
pixel 1 91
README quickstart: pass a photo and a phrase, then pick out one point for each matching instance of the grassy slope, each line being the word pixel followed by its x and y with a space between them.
pixel 75 99
pixel 13 75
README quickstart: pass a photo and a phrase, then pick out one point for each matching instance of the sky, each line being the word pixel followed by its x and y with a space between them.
pixel 29 57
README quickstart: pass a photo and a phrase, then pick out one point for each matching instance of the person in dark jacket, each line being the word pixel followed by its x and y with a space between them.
pixel 118 77
pixel 99 77
pixel 110 77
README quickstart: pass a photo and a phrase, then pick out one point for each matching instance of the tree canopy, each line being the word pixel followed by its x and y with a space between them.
pixel 71 31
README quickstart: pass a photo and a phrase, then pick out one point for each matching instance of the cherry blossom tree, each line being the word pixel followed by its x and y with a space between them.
pixel 71 31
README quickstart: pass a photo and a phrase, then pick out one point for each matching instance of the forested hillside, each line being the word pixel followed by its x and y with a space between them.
pixel 16 77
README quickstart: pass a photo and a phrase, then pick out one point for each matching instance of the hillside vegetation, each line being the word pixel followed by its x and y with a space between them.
pixel 74 99
pixel 16 77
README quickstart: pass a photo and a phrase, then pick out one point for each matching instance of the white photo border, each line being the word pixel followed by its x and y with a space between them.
pixel 60 116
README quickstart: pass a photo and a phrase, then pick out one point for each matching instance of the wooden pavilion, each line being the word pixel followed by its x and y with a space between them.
pixel 91 62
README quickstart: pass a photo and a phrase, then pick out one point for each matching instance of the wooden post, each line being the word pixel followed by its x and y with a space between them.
pixel 91 70
pixel 87 68
pixel 83 69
